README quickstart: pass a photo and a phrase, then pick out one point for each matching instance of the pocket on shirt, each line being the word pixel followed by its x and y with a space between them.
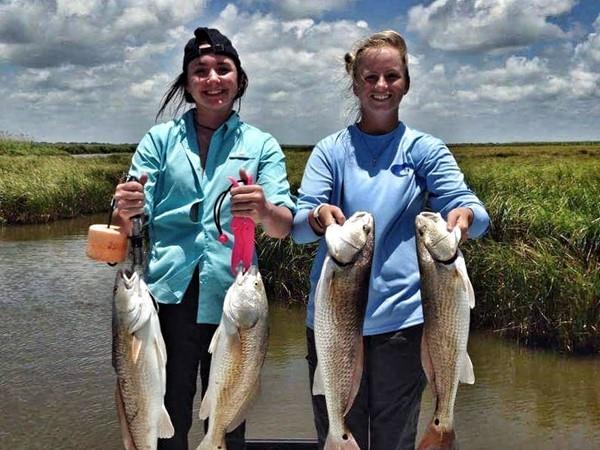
pixel 240 158
pixel 237 162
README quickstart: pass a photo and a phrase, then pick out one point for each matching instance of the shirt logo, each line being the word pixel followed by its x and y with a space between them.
pixel 401 170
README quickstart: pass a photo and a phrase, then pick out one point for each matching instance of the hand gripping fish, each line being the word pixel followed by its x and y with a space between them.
pixel 447 297
pixel 340 301
pixel 238 349
pixel 139 359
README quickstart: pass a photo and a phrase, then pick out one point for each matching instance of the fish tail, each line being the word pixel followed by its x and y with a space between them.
pixel 345 442
pixel 437 437
pixel 209 443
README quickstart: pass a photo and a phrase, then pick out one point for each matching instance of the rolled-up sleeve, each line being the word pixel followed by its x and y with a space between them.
pixel 146 160
pixel 316 188
pixel 446 184
pixel 272 175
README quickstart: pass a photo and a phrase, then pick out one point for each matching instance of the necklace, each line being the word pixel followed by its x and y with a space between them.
pixel 381 145
pixel 205 127
pixel 197 124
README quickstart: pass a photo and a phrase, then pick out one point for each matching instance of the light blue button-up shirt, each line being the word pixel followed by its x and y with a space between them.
pixel 180 196
pixel 389 176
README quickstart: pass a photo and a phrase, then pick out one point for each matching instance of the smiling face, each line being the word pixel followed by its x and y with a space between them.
pixel 381 82
pixel 212 81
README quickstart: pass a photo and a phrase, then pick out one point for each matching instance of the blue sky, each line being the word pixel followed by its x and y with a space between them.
pixel 481 70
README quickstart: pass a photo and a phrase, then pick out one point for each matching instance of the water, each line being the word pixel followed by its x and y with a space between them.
pixel 57 382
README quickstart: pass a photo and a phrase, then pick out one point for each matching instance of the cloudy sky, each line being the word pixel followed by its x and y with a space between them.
pixel 481 70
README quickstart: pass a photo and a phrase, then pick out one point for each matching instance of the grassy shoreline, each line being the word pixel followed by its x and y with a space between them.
pixel 536 273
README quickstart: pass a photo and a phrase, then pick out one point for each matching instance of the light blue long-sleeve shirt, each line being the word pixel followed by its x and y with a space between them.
pixel 180 196
pixel 391 176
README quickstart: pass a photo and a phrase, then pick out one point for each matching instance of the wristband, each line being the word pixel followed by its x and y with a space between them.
pixel 315 215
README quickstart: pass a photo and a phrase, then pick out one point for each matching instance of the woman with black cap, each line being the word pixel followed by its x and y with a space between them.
pixel 182 167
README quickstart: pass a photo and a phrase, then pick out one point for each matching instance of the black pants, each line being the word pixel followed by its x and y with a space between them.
pixel 385 413
pixel 187 345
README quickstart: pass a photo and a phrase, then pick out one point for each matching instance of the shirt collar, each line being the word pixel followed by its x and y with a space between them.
pixel 231 124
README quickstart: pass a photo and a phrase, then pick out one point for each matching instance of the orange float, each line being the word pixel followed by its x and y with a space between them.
pixel 106 243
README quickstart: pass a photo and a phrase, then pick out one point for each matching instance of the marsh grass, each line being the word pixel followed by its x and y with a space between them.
pixel 536 292
pixel 37 189
pixel 541 197
pixel 25 147
pixel 536 273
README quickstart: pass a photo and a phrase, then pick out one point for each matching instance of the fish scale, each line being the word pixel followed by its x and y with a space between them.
pixel 238 348
pixel 340 302
pixel 446 344
pixel 447 297
pixel 139 359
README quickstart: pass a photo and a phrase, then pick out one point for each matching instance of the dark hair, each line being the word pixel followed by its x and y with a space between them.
pixel 177 93
pixel 218 44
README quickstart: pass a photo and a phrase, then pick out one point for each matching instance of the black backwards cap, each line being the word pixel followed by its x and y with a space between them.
pixel 219 44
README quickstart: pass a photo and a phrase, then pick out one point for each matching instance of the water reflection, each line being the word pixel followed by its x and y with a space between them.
pixel 57 383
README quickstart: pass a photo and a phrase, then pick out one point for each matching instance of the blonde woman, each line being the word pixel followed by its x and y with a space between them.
pixel 382 166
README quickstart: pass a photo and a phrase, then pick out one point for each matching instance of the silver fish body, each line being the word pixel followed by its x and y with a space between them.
pixel 447 297
pixel 340 301
pixel 139 359
pixel 238 348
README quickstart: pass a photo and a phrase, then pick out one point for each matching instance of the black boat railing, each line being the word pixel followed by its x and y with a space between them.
pixel 281 444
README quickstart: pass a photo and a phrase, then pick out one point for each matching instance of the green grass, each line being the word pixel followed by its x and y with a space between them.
pixel 35 189
pixel 555 197
pixel 536 274
pixel 536 292
pixel 23 147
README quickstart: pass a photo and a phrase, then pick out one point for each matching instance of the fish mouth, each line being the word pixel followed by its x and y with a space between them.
pixel 128 277
pixel 354 258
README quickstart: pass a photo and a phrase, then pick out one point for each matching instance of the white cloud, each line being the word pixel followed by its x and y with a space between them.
pixel 309 8
pixel 304 76
pixel 297 9
pixel 96 71
pixel 484 25
pixel 86 33
pixel 151 88
pixel 585 83
pixel 588 52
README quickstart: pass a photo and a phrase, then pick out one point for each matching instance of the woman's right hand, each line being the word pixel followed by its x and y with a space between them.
pixel 323 216
pixel 129 199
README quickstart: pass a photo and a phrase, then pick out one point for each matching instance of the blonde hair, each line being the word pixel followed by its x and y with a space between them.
pixel 387 38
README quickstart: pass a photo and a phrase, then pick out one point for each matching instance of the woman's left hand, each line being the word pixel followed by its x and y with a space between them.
pixel 462 218
pixel 248 200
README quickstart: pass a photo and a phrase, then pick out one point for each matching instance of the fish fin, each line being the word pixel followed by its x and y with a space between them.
pixel 438 438
pixel 161 353
pixel 208 443
pixel 136 347
pixel 206 404
pixel 341 444
pixel 246 405
pixel 165 426
pixel 457 235
pixel 125 433
pixel 318 384
pixel 236 344
pixel 358 372
pixel 427 364
pixel 462 271
pixel 467 375
pixel 214 341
